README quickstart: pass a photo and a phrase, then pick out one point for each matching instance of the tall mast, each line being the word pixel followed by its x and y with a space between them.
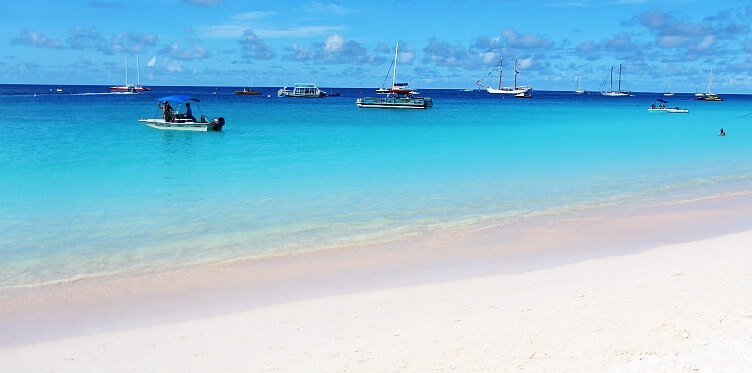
pixel 619 77
pixel 394 76
pixel 138 73
pixel 126 70
pixel 515 73
pixel 611 83
pixel 501 68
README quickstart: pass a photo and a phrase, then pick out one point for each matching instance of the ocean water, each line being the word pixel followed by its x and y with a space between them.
pixel 86 190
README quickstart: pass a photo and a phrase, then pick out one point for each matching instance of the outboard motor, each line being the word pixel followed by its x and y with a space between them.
pixel 218 123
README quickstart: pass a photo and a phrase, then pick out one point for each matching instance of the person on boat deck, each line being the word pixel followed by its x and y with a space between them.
pixel 166 111
pixel 189 112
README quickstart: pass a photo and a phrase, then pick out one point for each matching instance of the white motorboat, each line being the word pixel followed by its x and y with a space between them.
pixel 302 90
pixel 181 119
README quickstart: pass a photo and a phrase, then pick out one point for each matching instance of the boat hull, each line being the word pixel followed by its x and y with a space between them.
pixel 615 94
pixel 509 90
pixel 394 103
pixel 215 125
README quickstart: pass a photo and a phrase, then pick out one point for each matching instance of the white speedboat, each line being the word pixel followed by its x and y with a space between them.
pixel 302 90
pixel 677 110
pixel 181 119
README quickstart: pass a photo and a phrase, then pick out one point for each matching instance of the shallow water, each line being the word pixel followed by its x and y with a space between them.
pixel 87 190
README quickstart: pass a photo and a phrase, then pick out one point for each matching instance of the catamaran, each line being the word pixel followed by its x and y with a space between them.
pixel 131 88
pixel 398 96
pixel 518 91
pixel 611 92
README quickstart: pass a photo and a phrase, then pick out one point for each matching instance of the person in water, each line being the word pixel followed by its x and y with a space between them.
pixel 722 133
pixel 167 114
pixel 189 112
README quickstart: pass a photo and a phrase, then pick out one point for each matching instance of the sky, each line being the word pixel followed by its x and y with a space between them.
pixel 661 45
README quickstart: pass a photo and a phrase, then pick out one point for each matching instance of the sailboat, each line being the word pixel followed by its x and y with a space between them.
pixel 518 91
pixel 131 88
pixel 579 89
pixel 666 92
pixel 708 95
pixel 618 92
pixel 398 96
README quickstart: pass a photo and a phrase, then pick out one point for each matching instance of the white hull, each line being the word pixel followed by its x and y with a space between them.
pixel 394 103
pixel 615 94
pixel 178 126
pixel 509 90
pixel 677 110
pixel 657 110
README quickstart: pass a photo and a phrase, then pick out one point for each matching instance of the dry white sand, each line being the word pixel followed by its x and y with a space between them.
pixel 683 307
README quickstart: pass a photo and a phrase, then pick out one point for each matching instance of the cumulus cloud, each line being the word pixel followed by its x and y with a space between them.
pixel 36 39
pixel 195 52
pixel 444 54
pixel 335 49
pixel 255 48
pixel 516 40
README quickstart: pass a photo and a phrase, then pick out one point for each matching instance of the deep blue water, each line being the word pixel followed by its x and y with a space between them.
pixel 85 189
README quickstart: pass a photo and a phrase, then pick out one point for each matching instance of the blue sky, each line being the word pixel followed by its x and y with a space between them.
pixel 443 43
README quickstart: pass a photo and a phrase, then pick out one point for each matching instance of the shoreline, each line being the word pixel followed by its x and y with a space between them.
pixel 70 316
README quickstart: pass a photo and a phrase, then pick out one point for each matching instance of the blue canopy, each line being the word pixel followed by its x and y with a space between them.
pixel 178 98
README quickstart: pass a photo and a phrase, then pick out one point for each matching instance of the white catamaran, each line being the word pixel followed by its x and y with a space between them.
pixel 518 91
pixel 399 96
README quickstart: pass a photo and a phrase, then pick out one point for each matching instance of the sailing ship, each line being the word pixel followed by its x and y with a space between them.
pixel 131 88
pixel 518 91
pixel 708 95
pixel 579 89
pixel 398 96
pixel 618 92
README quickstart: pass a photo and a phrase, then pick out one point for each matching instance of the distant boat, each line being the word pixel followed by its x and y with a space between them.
pixel 302 90
pixel 131 88
pixel 618 92
pixel 512 90
pixel 247 91
pixel 467 90
pixel 666 92
pixel 579 89
pixel 708 95
pixel 677 110
pixel 399 96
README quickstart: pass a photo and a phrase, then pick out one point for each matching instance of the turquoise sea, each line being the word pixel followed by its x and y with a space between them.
pixel 86 190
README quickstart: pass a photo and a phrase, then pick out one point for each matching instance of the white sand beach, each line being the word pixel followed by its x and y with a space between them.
pixel 666 290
